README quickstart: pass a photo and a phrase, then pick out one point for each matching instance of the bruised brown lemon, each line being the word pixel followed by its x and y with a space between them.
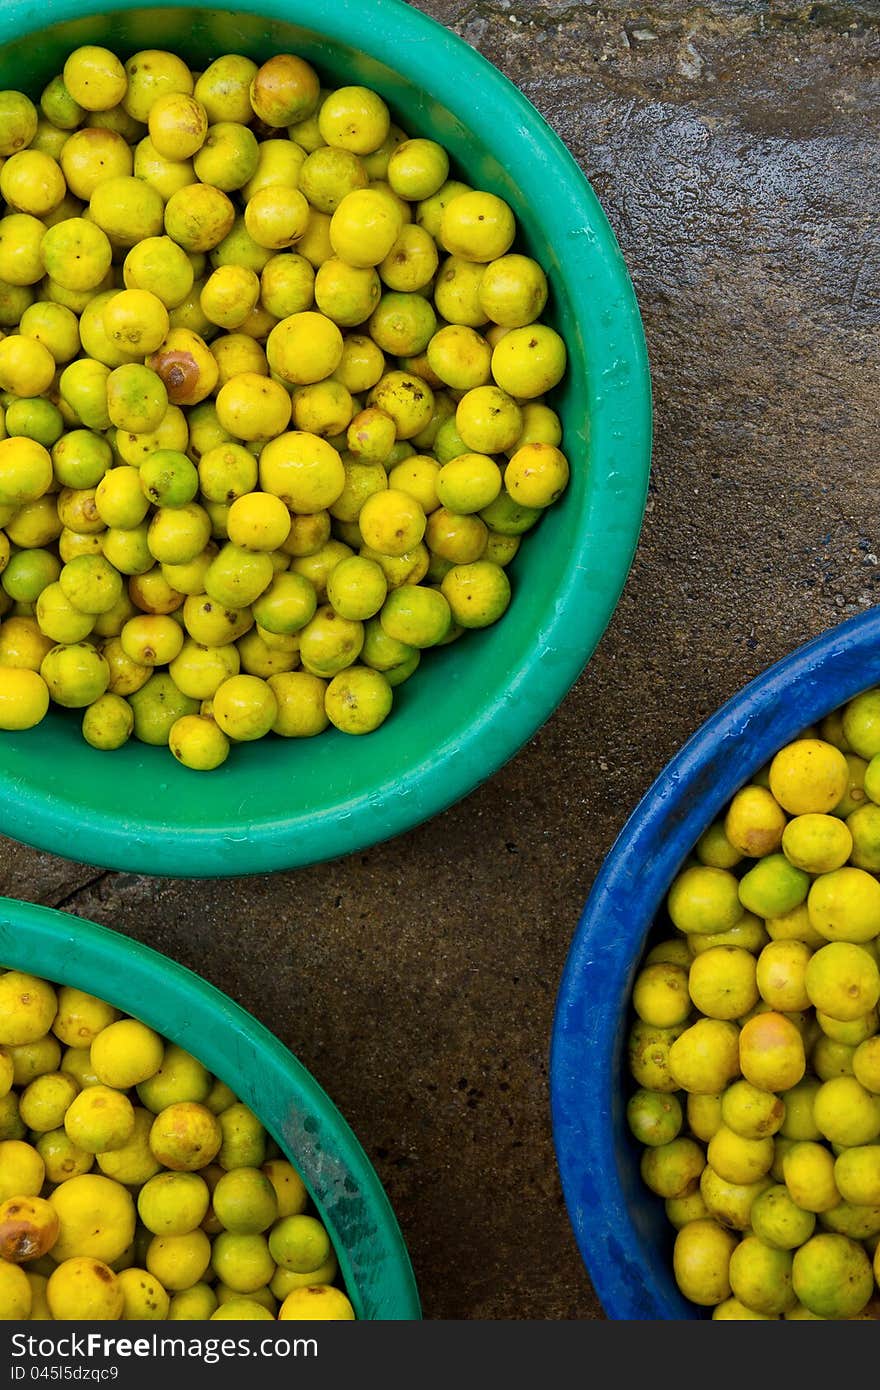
pixel 29 1228
pixel 186 366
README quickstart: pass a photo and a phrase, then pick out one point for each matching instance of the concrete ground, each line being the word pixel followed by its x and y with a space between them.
pixel 734 145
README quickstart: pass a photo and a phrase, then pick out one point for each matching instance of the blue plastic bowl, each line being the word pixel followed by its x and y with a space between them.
pixel 621 1229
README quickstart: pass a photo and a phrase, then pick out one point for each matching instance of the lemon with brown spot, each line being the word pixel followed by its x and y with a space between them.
pixel 108 722
pixel 80 1016
pixel 184 363
pixel 754 822
pixel 236 577
pixel 478 593
pixel 660 994
pixel 150 72
pixel 29 1228
pixel 27 1008
pixel 751 1112
pixel 143 1297
pixel 95 78
pixel 82 1289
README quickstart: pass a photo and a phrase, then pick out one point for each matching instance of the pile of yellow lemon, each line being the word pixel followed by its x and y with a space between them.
pixel 755 1041
pixel 135 1185
pixel 272 419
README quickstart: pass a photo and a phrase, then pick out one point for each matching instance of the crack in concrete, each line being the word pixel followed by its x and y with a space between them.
pixel 74 893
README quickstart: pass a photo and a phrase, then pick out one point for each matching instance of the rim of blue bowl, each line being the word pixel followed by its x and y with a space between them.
pixel 617 1222
pixel 255 1064
pixel 436 60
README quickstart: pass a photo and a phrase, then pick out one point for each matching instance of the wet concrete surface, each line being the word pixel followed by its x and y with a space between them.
pixel 734 147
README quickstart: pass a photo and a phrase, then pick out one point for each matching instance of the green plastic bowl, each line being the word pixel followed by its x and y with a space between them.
pixel 342 1182
pixel 279 804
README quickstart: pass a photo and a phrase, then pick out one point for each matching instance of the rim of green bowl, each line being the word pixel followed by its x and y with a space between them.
pixel 264 1074
pixel 588 260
